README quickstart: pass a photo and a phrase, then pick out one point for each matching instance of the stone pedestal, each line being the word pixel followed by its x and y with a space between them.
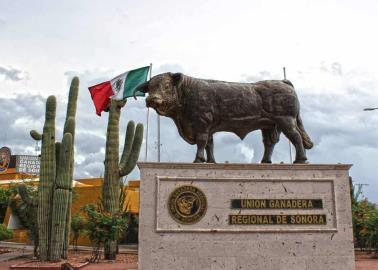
pixel 253 216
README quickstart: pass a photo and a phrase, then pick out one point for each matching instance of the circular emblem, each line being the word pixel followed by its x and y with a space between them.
pixel 5 156
pixel 187 204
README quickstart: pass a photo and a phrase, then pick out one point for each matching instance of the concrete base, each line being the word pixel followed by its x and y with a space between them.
pixel 214 242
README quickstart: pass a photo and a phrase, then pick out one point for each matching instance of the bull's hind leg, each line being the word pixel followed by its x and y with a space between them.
pixel 210 150
pixel 201 141
pixel 289 128
pixel 270 138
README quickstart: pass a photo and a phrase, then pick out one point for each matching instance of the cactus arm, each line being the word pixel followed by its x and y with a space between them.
pixel 72 98
pixel 36 135
pixel 134 154
pixel 63 178
pixel 129 138
pixel 69 127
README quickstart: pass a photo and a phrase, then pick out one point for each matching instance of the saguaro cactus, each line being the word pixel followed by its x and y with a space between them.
pixel 55 182
pixel 115 169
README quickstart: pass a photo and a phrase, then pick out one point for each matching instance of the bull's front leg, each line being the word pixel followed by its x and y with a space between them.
pixel 210 150
pixel 201 141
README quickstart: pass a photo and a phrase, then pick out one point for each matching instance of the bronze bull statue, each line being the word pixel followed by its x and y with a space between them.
pixel 201 107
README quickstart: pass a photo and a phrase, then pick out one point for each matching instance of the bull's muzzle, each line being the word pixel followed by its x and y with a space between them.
pixel 153 102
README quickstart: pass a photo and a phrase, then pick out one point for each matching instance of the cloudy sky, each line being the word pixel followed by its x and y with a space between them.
pixel 328 47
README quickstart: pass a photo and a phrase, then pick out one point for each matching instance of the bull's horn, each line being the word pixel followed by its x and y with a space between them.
pixel 141 88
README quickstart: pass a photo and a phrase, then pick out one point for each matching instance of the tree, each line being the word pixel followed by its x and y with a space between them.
pixel 365 221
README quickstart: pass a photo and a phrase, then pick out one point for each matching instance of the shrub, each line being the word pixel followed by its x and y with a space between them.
pixel 5 233
pixel 365 219
pixel 5 194
pixel 365 224
pixel 78 223
pixel 102 226
pixel 130 236
pixel 25 208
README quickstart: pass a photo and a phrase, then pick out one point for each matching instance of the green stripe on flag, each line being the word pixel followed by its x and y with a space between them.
pixel 135 78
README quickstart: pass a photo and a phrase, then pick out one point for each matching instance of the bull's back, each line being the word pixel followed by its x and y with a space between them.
pixel 232 107
pixel 230 99
pixel 241 99
pixel 278 97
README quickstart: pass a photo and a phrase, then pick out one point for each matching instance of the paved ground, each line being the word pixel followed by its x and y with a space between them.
pixel 25 252
pixel 364 265
pixel 360 265
pixel 364 261
pixel 111 266
pixel 102 266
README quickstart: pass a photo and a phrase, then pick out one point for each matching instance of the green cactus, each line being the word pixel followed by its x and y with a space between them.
pixel 46 178
pixel 114 169
pixel 56 174
pixel 70 128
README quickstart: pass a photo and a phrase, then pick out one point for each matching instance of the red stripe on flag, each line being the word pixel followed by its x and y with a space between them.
pixel 101 94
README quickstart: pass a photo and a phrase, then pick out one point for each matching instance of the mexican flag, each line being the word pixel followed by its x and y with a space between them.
pixel 119 88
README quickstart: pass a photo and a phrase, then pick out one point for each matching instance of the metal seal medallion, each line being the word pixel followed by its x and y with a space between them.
pixel 187 204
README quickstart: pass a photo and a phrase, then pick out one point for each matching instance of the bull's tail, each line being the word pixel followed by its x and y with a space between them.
pixel 307 143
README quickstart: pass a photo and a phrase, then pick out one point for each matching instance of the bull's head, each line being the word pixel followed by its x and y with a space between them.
pixel 164 92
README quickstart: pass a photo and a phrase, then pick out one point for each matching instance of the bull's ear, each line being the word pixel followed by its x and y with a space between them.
pixel 141 88
pixel 177 79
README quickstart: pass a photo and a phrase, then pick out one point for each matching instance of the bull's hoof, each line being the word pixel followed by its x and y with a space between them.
pixel 199 160
pixel 210 161
pixel 300 161
pixel 266 161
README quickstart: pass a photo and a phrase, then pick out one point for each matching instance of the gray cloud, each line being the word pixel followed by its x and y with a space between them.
pixel 19 116
pixel 13 74
pixel 334 68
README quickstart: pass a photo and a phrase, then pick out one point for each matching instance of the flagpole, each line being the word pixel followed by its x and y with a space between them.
pixel 148 117
pixel 291 157
pixel 158 136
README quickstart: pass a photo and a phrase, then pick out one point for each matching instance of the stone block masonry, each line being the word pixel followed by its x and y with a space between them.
pixel 257 216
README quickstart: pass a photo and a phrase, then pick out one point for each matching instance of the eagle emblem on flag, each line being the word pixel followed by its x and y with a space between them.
pixel 118 85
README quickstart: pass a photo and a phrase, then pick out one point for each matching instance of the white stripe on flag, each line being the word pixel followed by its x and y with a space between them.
pixel 118 86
